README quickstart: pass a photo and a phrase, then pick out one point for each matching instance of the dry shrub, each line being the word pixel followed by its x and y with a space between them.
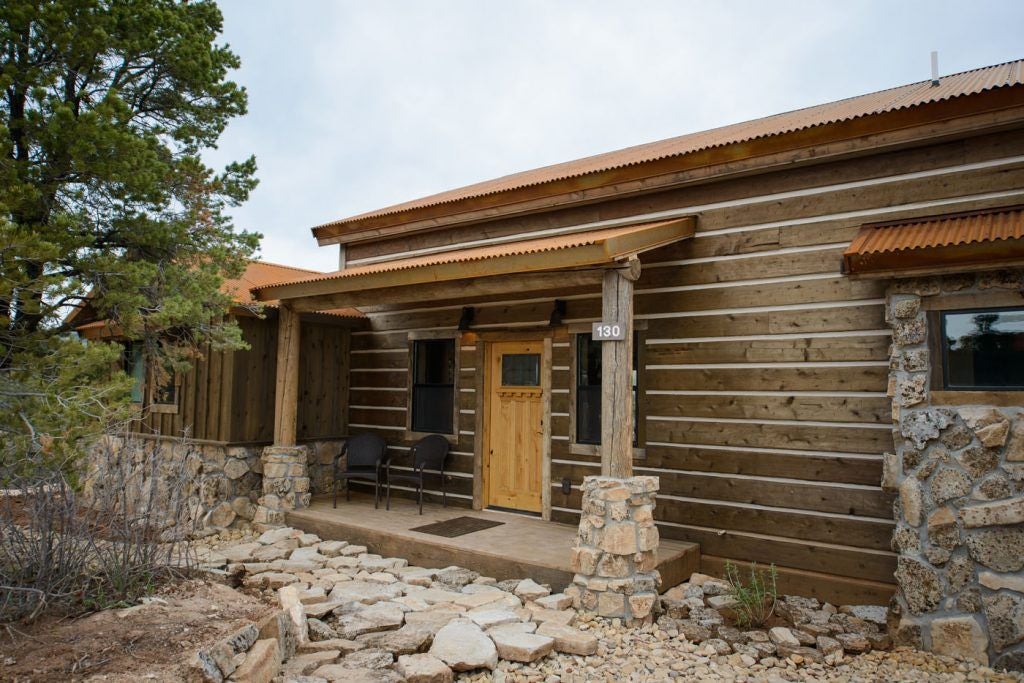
pixel 68 549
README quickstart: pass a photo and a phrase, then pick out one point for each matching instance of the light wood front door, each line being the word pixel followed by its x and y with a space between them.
pixel 514 425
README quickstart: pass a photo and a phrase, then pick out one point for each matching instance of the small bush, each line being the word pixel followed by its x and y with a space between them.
pixel 66 551
pixel 755 600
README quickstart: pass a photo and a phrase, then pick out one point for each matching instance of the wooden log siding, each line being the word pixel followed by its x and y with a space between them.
pixel 766 369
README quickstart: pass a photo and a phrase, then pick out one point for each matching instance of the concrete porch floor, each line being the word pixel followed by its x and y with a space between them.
pixel 521 547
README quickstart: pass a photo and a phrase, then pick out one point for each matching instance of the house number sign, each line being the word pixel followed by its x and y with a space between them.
pixel 603 331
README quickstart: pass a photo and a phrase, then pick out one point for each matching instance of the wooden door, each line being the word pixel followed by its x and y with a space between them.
pixel 514 425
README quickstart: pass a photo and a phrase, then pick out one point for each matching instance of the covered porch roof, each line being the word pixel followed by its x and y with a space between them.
pixel 554 262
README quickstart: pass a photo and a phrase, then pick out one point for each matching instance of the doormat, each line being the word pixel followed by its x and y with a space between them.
pixel 459 526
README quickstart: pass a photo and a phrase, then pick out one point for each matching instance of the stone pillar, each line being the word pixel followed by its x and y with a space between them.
pixel 285 484
pixel 958 472
pixel 616 553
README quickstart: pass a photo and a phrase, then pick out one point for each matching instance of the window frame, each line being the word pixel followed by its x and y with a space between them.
pixel 171 407
pixel 943 360
pixel 640 415
pixel 133 363
pixel 433 335
pixel 934 307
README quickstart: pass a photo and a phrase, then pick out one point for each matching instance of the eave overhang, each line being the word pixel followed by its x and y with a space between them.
pixel 594 249
pixel 979 240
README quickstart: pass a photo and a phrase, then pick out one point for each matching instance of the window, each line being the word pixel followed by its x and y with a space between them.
pixel 433 386
pixel 588 390
pixel 983 349
pixel 134 366
pixel 520 370
pixel 164 390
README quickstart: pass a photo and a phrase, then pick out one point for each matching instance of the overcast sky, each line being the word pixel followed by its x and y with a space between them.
pixel 357 105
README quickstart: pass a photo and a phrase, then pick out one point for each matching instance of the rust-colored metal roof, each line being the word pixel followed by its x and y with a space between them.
pixel 606 246
pixel 994 234
pixel 903 97
pixel 261 273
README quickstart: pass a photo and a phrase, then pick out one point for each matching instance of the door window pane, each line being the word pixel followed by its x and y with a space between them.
pixel 433 389
pixel 520 369
pixel 983 349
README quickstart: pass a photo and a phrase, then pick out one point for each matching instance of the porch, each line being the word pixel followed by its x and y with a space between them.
pixel 521 546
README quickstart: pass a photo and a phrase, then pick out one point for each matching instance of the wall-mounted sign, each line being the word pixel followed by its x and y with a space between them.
pixel 603 331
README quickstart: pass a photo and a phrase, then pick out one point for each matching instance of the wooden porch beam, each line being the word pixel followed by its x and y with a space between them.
pixel 286 392
pixel 463 291
pixel 617 373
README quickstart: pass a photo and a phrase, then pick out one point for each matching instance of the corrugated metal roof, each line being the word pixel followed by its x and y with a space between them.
pixel 519 248
pixel 262 273
pixel 893 99
pixel 940 231
pixel 257 274
pixel 994 237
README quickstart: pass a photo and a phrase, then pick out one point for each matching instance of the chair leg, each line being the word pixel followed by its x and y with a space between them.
pixel 444 492
pixel 387 495
pixel 420 487
pixel 348 488
pixel 335 493
pixel 376 490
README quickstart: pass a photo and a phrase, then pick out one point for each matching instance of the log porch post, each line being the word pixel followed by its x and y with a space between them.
pixel 286 392
pixel 617 373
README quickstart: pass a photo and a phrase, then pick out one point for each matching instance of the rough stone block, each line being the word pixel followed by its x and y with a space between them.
pixel 1005 614
pixel 920 583
pixel 522 647
pixel 424 668
pixel 994 514
pixel 463 646
pixel 959 637
pixel 1000 549
pixel 911 499
pixel 569 640
pixel 611 605
pixel 620 539
pixel 261 664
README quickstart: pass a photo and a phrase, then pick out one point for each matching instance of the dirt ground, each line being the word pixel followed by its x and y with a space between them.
pixel 149 642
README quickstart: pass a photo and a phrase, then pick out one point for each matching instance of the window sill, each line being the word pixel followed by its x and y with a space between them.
pixel 1003 399
pixel 595 450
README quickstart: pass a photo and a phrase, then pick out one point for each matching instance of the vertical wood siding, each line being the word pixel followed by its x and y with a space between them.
pixel 228 396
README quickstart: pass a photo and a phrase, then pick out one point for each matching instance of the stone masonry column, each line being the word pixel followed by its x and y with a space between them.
pixel 616 553
pixel 285 484
pixel 958 472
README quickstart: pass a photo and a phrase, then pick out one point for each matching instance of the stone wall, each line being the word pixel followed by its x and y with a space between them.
pixel 222 485
pixel 959 472
pixel 615 557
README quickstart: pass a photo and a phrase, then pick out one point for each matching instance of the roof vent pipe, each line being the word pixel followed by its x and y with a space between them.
pixel 935 68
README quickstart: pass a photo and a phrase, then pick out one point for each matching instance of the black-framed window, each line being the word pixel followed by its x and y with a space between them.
pixel 983 349
pixel 588 389
pixel 433 385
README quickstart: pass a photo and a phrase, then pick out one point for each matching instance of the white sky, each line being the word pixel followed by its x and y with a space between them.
pixel 357 105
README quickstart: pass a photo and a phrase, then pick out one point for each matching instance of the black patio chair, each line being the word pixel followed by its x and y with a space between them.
pixel 429 453
pixel 365 461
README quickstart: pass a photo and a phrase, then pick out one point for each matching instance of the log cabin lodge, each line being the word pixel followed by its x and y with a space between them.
pixel 756 273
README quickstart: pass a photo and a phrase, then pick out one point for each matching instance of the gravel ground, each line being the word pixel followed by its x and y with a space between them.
pixel 651 655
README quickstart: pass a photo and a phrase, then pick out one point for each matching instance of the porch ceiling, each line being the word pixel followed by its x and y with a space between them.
pixel 562 261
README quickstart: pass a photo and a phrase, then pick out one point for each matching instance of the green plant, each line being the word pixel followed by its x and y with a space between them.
pixel 755 600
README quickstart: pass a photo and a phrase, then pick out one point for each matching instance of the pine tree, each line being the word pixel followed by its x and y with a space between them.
pixel 107 107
